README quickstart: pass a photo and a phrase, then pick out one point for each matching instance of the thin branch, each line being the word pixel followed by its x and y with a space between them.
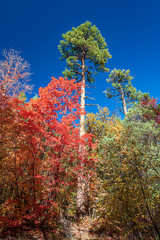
pixel 91 104
pixel 90 98
pixel 120 109
pixel 77 72
pixel 90 86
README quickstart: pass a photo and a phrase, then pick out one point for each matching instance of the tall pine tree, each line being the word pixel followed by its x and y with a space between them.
pixel 86 54
pixel 122 88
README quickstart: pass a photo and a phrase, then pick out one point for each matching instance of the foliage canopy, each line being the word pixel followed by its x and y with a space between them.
pixel 84 42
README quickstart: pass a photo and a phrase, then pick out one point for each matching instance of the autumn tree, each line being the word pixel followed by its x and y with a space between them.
pixel 14 73
pixel 129 173
pixel 98 123
pixel 121 88
pixel 39 153
pixel 150 109
pixel 86 53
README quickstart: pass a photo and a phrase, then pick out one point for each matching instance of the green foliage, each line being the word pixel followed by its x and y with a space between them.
pixel 130 175
pixel 22 97
pixel 121 87
pixel 84 42
pixel 120 79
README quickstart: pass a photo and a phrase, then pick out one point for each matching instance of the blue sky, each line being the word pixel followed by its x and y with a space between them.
pixel 131 29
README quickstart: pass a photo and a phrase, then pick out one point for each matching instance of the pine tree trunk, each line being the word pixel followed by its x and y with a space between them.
pixel 123 102
pixel 82 129
pixel 80 211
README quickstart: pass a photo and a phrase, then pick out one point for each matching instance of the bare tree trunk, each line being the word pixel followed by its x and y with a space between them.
pixel 82 129
pixel 123 102
pixel 80 211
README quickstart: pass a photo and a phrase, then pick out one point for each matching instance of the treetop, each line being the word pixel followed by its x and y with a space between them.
pixel 84 42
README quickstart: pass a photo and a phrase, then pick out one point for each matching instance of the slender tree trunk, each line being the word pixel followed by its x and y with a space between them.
pixel 81 184
pixel 82 129
pixel 123 102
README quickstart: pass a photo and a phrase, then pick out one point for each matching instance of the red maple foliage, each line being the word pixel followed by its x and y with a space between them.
pixel 40 157
pixel 153 107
